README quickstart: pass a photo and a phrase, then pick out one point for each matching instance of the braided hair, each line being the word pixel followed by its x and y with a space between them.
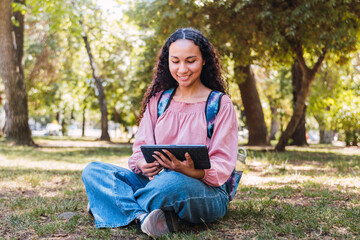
pixel 210 74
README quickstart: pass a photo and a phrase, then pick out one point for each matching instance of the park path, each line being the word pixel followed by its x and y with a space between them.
pixel 79 143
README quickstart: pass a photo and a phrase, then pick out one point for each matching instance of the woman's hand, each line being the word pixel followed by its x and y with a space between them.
pixel 149 169
pixel 186 167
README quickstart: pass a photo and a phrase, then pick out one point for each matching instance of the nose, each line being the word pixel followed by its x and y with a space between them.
pixel 183 68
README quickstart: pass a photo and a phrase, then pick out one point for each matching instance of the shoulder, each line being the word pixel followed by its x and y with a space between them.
pixel 218 100
pixel 226 100
pixel 154 99
pixel 226 105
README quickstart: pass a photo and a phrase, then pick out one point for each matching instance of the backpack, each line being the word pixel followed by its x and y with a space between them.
pixel 212 107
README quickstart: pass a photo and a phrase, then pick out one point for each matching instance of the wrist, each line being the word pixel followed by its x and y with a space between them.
pixel 197 173
pixel 140 163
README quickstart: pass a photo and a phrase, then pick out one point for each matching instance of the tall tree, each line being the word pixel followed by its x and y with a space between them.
pixel 307 30
pixel 101 95
pixel 12 72
pixel 252 106
pixel 299 135
pixel 236 41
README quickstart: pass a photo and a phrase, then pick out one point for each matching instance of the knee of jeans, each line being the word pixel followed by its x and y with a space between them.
pixel 173 182
pixel 89 170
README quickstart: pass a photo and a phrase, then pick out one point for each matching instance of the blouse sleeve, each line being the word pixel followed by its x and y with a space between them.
pixel 145 133
pixel 223 145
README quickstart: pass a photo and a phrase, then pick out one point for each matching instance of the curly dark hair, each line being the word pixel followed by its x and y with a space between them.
pixel 210 75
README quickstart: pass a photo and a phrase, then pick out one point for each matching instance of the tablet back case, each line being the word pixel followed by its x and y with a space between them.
pixel 198 153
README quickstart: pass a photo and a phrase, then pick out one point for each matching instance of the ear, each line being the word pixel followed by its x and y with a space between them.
pixel 203 62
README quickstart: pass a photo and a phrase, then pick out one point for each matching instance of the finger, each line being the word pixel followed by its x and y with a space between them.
pixel 171 156
pixel 149 168
pixel 163 157
pixel 151 165
pixel 153 173
pixel 152 169
pixel 189 160
pixel 187 156
pixel 158 170
pixel 161 161
pixel 154 164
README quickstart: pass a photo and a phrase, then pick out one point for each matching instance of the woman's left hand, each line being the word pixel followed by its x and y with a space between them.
pixel 186 167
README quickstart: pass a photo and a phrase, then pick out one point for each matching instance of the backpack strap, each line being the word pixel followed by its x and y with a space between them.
pixel 164 101
pixel 211 110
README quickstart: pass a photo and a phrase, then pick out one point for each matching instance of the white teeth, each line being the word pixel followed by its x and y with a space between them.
pixel 183 77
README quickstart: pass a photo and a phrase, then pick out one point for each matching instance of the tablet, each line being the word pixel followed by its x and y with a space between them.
pixel 198 153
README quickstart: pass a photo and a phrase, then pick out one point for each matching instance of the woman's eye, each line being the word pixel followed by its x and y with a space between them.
pixel 174 62
pixel 191 61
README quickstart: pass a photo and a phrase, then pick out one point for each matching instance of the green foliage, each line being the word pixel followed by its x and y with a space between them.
pixel 315 26
pixel 262 33
pixel 59 79
pixel 334 100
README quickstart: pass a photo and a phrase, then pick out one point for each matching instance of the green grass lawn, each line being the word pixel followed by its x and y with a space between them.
pixel 304 193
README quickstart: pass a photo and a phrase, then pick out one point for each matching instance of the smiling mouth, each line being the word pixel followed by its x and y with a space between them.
pixel 184 77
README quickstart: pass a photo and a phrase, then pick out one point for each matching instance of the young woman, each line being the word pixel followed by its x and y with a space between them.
pixel 158 194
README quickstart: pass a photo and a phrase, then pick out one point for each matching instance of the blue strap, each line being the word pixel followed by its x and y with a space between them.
pixel 232 183
pixel 164 101
pixel 211 110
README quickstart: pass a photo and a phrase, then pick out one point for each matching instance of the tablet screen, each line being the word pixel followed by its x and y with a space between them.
pixel 198 153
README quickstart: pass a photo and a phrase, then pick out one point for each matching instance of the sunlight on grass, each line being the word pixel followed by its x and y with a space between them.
pixel 311 193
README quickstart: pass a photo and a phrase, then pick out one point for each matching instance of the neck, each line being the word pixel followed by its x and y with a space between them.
pixel 193 93
pixel 188 92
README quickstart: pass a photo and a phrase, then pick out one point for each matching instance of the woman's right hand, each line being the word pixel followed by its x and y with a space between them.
pixel 149 169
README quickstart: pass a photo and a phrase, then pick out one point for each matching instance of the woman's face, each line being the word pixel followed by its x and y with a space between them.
pixel 185 62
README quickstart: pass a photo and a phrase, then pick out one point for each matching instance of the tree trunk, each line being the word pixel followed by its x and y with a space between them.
pixel 325 136
pixel 275 124
pixel 83 122
pixel 101 96
pixel 355 138
pixel 258 135
pixel 7 119
pixel 299 136
pixel 19 36
pixel 12 72
pixel 348 136
pixel 308 77
pixel 321 134
pixel 64 127
pixel 328 136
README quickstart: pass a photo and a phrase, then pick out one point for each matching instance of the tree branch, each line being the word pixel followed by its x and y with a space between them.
pixel 297 48
pixel 319 61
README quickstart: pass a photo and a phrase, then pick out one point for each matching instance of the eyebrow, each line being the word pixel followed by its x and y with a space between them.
pixel 186 57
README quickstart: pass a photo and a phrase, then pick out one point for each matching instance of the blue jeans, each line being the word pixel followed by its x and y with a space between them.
pixel 118 195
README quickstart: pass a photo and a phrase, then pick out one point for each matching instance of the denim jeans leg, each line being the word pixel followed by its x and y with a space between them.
pixel 193 200
pixel 110 190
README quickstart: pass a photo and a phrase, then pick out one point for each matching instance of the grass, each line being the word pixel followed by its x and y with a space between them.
pixel 304 193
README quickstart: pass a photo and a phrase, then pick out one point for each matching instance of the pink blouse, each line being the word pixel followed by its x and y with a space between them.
pixel 185 123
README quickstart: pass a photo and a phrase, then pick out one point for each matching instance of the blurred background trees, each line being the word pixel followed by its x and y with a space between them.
pixel 293 66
